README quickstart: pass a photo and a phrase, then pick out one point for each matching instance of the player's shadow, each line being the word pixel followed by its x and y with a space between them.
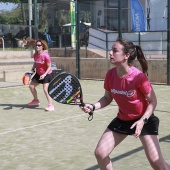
pixel 21 106
pixel 117 158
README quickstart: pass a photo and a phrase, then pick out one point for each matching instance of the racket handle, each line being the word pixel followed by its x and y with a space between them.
pixel 90 113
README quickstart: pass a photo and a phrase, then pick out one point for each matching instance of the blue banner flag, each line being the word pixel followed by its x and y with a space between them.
pixel 138 17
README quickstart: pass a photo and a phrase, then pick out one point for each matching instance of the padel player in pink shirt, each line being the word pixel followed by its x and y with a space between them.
pixel 136 100
pixel 42 67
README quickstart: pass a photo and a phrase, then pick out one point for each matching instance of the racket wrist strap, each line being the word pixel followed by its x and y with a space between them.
pixel 93 107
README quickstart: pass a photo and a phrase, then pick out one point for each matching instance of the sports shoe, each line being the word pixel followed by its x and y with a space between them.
pixel 34 103
pixel 49 108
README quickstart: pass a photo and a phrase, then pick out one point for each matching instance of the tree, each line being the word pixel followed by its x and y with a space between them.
pixel 11 1
pixel 43 25
pixel 15 16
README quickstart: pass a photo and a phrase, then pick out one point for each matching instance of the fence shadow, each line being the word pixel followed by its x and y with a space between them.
pixel 163 111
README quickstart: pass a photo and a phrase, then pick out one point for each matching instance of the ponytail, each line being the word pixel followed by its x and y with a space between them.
pixel 141 59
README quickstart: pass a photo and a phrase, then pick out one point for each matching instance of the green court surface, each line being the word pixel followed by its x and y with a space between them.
pixel 33 139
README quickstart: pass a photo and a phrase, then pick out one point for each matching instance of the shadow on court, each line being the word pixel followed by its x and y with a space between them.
pixel 164 139
pixel 162 111
pixel 21 106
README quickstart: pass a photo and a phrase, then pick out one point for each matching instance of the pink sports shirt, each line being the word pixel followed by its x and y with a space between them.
pixel 41 62
pixel 128 92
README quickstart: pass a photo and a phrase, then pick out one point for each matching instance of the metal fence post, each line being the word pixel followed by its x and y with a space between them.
pixel 168 43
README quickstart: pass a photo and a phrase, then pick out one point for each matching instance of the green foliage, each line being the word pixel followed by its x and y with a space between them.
pixel 10 1
pixel 63 17
pixel 43 22
pixel 11 17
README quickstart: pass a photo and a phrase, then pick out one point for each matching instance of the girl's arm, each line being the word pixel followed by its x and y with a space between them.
pixel 33 67
pixel 48 69
pixel 151 97
pixel 103 102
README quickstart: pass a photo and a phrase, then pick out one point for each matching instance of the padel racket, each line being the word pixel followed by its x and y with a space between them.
pixel 66 89
pixel 26 78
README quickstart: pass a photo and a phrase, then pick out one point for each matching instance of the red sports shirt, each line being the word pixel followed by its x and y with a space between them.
pixel 41 62
pixel 128 92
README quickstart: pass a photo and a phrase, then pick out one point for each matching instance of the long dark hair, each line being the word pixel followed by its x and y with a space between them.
pixel 134 51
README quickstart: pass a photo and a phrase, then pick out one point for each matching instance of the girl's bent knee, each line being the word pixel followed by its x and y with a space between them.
pixel 31 87
pixel 97 153
pixel 100 154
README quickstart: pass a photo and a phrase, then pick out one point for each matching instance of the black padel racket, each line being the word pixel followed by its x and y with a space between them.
pixel 66 89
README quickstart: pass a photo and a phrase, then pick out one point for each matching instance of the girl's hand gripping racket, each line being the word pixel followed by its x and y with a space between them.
pixel 66 89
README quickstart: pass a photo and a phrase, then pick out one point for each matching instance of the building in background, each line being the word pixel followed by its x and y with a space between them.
pixel 107 16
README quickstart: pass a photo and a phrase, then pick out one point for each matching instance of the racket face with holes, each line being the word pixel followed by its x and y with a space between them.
pixel 66 89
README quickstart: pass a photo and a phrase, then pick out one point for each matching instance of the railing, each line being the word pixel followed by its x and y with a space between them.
pixel 151 42
pixel 100 41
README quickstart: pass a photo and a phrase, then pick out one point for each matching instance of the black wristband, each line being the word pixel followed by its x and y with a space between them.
pixel 33 69
pixel 93 107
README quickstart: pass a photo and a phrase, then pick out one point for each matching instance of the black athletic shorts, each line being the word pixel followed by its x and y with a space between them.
pixel 123 127
pixel 46 79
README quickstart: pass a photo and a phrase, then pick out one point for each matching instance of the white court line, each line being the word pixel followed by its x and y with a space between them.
pixel 47 123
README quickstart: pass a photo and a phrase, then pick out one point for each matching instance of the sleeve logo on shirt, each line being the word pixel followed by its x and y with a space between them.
pixel 129 93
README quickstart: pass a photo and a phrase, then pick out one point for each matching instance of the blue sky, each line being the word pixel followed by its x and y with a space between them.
pixel 7 6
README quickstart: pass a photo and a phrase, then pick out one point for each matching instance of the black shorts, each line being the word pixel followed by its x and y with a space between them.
pixel 46 79
pixel 123 127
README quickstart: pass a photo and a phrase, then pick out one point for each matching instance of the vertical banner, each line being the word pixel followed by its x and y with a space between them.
pixel 30 17
pixel 73 23
pixel 138 17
